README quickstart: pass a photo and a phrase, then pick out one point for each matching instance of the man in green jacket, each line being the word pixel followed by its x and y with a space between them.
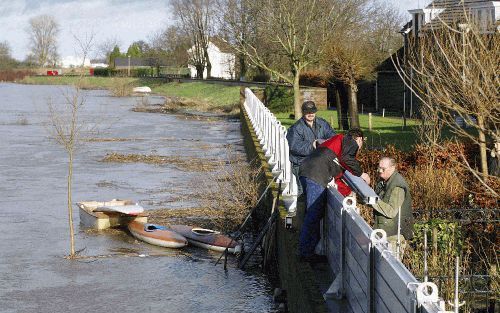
pixel 393 211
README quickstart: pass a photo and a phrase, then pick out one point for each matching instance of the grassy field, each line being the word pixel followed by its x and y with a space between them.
pixel 218 97
pixel 385 130
pixel 211 93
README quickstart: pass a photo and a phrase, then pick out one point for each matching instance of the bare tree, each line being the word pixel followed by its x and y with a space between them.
pixel 68 129
pixel 453 68
pixel 365 35
pixel 291 31
pixel 172 44
pixel 42 32
pixel 237 23
pixel 105 48
pixel 84 44
pixel 196 19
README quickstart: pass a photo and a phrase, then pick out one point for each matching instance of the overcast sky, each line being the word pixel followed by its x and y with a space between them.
pixel 125 20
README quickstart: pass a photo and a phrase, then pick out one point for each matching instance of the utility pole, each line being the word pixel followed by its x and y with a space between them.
pixel 128 71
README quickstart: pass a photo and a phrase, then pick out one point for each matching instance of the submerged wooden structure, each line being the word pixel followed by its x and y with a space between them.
pixel 107 214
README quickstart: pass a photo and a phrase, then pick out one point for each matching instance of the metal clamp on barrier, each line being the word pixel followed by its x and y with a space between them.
pixel 382 238
pixel 349 203
pixel 423 294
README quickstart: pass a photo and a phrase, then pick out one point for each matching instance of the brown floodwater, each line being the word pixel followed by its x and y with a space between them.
pixel 131 276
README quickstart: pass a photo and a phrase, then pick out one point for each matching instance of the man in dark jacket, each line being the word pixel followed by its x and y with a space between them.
pixel 394 206
pixel 303 136
pixel 327 162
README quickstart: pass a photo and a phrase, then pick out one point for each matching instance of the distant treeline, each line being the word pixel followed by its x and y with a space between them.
pixel 136 72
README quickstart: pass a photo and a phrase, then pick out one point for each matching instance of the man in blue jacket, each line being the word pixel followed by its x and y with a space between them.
pixel 303 136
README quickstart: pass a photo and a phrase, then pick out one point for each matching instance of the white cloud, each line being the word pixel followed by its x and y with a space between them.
pixel 127 21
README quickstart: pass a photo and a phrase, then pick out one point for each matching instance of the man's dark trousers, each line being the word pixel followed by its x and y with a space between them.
pixel 315 210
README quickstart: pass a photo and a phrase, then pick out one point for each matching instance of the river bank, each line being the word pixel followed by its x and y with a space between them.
pixel 180 97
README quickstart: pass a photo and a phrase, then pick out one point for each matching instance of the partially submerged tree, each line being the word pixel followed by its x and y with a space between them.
pixel 68 129
pixel 453 68
pixel 42 32
pixel 196 19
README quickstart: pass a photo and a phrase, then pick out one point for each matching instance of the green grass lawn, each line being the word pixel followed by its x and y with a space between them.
pixel 212 93
pixel 385 130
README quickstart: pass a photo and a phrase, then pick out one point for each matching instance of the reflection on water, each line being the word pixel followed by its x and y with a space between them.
pixel 130 276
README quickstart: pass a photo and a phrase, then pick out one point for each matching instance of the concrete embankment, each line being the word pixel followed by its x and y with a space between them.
pixel 297 278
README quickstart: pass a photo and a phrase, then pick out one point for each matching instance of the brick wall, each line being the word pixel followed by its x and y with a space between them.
pixel 318 95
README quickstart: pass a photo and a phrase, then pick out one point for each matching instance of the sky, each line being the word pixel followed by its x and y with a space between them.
pixel 125 20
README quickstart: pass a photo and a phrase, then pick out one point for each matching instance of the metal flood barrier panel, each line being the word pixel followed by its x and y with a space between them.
pixel 367 275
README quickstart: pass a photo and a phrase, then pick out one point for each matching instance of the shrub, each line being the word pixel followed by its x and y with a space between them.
pixel 141 72
pixel 314 79
pixel 120 89
pixel 261 77
pixel 279 98
pixel 13 75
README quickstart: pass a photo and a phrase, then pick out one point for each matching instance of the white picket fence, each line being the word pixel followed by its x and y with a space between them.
pixel 272 137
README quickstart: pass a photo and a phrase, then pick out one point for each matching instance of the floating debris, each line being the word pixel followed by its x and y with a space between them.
pixel 112 139
pixel 182 163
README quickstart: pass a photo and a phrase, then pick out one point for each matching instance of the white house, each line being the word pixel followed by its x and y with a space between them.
pixel 222 60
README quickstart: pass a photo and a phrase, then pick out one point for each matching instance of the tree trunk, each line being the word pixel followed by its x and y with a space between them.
pixel 208 64
pixel 70 207
pixel 296 96
pixel 352 92
pixel 243 66
pixel 338 101
pixel 199 71
pixel 482 147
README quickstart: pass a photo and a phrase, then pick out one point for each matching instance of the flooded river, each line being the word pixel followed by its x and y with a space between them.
pixel 35 277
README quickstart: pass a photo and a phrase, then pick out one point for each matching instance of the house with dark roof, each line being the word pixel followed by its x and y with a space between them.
pixel 391 93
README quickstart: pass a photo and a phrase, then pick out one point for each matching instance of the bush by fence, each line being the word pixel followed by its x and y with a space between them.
pixel 14 75
pixel 279 98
